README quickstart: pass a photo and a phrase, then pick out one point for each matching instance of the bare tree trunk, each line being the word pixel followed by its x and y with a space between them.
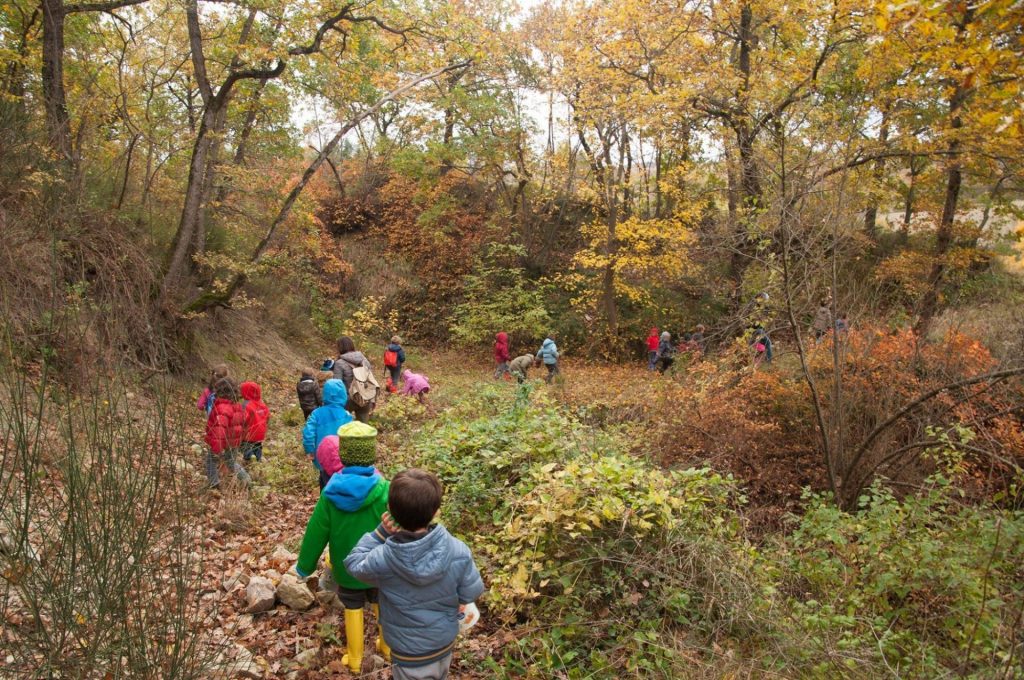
pixel 127 170
pixel 908 205
pixel 746 134
pixel 954 178
pixel 58 122
pixel 871 213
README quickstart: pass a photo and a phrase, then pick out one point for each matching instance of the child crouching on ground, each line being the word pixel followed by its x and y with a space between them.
pixel 308 390
pixel 256 416
pixel 350 505
pixel 520 366
pixel 415 384
pixel 225 427
pixel 424 575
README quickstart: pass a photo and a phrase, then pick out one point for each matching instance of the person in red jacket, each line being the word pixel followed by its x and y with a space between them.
pixel 256 416
pixel 652 349
pixel 501 355
pixel 225 428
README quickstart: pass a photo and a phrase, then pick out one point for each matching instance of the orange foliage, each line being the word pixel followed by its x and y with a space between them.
pixel 761 425
pixel 438 229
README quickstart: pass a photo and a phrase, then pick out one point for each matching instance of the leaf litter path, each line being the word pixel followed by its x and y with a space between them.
pixel 257 534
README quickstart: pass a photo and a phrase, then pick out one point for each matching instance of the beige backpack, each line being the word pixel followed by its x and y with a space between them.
pixel 364 387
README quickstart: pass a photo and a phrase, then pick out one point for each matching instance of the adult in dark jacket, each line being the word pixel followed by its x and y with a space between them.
pixel 349 358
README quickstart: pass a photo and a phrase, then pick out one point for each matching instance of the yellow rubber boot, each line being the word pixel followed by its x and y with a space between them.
pixel 354 640
pixel 382 647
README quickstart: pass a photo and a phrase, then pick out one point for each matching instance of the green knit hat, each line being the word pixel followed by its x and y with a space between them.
pixel 357 444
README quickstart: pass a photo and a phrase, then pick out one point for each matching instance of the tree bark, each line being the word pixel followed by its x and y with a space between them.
pixel 871 213
pixel 954 178
pixel 908 204
pixel 58 122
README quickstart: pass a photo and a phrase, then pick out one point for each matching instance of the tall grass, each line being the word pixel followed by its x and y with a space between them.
pixel 97 532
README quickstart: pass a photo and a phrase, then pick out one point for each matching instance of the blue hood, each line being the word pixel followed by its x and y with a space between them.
pixel 335 393
pixel 424 560
pixel 348 489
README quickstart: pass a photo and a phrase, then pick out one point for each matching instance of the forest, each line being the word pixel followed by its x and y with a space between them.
pixel 778 246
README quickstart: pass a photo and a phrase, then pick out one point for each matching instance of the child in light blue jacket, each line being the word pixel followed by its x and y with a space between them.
pixel 548 353
pixel 424 574
pixel 325 421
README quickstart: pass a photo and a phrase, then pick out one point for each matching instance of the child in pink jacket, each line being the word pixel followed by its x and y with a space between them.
pixel 415 384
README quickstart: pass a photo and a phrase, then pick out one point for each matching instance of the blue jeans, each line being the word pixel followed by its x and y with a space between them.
pixel 652 360
pixel 213 461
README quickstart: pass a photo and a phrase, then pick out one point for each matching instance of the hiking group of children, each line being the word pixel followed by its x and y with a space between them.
pixel 519 367
pixel 232 426
pixel 661 351
pixel 385 549
pixel 383 545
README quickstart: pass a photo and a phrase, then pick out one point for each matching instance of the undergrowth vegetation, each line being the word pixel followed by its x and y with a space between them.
pixel 602 564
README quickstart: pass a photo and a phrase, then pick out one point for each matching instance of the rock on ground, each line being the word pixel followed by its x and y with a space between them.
pixel 306 657
pixel 283 557
pixel 294 593
pixel 243 665
pixel 259 594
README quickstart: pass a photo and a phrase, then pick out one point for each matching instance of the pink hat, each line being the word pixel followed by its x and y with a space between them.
pixel 327 455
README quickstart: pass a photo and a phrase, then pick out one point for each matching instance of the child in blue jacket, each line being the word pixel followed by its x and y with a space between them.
pixel 548 353
pixel 325 421
pixel 424 574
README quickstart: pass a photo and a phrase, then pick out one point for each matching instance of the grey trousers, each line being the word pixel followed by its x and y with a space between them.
pixel 437 670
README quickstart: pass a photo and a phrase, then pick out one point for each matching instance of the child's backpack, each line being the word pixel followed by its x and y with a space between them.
pixel 364 387
pixel 390 358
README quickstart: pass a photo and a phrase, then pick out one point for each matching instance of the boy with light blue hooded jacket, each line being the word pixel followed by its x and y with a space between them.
pixel 425 577
pixel 548 353
pixel 325 421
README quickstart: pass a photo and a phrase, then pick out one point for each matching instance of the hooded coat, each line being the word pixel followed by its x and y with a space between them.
pixel 414 383
pixel 308 390
pixel 328 455
pixel 422 582
pixel 256 412
pixel 327 419
pixel 350 505
pixel 225 425
pixel 521 364
pixel 652 341
pixel 548 352
pixel 666 350
pixel 344 365
pixel 501 348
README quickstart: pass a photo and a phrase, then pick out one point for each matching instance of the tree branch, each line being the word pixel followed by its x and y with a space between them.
pixel 101 6
pixel 215 298
pixel 931 394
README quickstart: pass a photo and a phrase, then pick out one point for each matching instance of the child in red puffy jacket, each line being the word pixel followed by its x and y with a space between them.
pixel 501 355
pixel 256 416
pixel 225 428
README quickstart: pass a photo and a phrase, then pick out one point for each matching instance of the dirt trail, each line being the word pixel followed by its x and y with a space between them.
pixel 251 534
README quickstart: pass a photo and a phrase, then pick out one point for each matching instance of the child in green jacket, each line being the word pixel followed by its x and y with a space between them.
pixel 350 505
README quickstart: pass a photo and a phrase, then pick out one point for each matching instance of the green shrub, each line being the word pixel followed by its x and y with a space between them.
pixel 607 555
pixel 924 584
